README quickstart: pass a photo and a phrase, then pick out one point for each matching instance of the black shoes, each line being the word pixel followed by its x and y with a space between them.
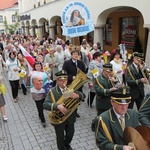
pixel 69 147
pixel 44 124
pixel 77 115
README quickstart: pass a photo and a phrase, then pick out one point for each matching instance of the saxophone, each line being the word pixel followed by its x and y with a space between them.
pixel 57 117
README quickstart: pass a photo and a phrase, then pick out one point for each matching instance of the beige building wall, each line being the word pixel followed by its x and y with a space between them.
pixel 100 11
pixel 8 13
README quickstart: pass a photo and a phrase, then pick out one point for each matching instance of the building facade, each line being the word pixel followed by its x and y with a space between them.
pixel 115 22
pixel 8 11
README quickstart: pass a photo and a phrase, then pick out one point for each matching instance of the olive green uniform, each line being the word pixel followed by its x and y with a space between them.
pixel 133 78
pixel 65 130
pixel 115 140
pixel 102 88
pixel 144 111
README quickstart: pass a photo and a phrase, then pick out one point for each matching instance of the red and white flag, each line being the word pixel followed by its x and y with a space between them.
pixel 28 57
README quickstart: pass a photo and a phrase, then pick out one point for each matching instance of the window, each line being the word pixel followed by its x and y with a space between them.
pixel 13 18
pixel 129 31
pixel 1 19
pixel 108 32
pixel 2 31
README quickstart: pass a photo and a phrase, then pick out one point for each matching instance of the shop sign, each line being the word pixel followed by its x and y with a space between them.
pixel 25 17
pixel 76 20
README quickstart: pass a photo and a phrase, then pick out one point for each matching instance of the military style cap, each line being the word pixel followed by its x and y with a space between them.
pixel 140 56
pixel 108 67
pixel 61 74
pixel 121 95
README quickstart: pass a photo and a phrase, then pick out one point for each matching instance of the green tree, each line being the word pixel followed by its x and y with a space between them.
pixel 10 29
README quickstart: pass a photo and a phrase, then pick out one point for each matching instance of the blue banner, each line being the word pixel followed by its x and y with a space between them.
pixel 76 20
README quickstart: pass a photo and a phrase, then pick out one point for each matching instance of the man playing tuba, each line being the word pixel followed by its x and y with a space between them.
pixel 65 130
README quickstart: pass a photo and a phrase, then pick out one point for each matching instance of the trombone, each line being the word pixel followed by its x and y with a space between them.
pixel 145 72
pixel 115 81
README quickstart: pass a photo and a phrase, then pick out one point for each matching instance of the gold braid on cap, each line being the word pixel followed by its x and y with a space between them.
pixel 59 77
pixel 113 98
pixel 134 54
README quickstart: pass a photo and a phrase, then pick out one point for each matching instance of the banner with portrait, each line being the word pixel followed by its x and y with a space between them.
pixel 76 20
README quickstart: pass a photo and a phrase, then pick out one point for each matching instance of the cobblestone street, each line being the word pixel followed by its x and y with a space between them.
pixel 23 130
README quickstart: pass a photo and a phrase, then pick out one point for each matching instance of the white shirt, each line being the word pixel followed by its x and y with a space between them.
pixel 118 116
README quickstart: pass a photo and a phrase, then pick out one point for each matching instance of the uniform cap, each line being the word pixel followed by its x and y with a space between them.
pixel 108 67
pixel 121 95
pixel 61 74
pixel 139 56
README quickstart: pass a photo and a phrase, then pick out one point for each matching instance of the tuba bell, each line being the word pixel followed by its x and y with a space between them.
pixel 57 117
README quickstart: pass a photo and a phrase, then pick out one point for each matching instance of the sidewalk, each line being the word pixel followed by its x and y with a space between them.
pixel 23 130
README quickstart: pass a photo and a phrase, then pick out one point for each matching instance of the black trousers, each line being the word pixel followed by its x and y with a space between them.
pixel 39 105
pixel 65 132
pixel 138 102
pixel 61 136
pixel 14 88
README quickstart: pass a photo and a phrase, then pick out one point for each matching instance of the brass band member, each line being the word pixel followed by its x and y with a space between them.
pixel 65 130
pixel 111 123
pixel 136 80
pixel 103 87
pixel 144 111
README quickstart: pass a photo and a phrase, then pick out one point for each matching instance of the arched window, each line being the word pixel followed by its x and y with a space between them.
pixel 1 19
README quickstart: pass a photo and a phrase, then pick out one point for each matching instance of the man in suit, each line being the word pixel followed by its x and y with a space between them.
pixel 136 80
pixel 110 124
pixel 64 131
pixel 71 67
pixel 144 111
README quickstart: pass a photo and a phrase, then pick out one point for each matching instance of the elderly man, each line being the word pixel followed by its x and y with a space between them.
pixel 64 131
pixel 110 124
pixel 52 60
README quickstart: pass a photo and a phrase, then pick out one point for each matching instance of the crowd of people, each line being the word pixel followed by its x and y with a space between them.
pixel 55 63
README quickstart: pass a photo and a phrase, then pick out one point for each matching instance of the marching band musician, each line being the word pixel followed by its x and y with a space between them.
pixel 104 84
pixel 110 126
pixel 136 80
pixel 144 111
pixel 65 130
pixel 103 87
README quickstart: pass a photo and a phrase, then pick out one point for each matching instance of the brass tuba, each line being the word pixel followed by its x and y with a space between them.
pixel 57 117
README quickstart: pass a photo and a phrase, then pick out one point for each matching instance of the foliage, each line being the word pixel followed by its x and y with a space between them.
pixel 10 29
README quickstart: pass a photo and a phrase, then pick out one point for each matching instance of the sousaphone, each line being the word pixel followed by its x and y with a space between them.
pixel 137 138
